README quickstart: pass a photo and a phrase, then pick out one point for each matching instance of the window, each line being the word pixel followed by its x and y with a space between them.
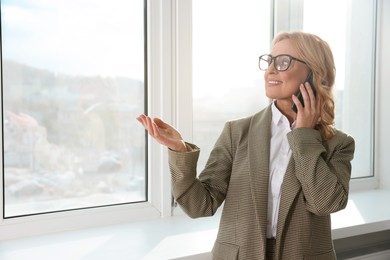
pixel 73 82
pixel 351 33
pixel 227 83
pixel 84 61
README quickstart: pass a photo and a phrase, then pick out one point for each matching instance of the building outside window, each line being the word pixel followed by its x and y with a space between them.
pixel 73 80
pixel 75 74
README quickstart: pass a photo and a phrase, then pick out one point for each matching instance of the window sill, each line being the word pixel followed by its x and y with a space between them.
pixel 180 237
pixel 366 212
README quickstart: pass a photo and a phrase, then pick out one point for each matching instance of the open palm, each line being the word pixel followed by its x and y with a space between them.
pixel 163 133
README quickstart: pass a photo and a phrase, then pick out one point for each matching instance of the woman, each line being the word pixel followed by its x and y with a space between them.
pixel 280 173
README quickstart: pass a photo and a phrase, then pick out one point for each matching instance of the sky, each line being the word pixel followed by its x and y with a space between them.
pixel 226 47
pixel 83 37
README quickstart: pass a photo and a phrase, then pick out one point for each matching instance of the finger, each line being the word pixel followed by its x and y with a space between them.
pixel 141 119
pixel 156 131
pixel 311 95
pixel 305 95
pixel 160 123
pixel 297 103
pixel 149 126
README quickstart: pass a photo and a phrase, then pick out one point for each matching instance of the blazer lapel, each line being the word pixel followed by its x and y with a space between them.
pixel 258 150
pixel 289 190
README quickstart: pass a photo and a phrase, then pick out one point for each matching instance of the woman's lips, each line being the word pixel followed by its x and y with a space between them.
pixel 274 82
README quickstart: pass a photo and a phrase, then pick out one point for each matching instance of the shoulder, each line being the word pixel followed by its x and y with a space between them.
pixel 340 136
pixel 341 140
pixel 255 125
pixel 246 122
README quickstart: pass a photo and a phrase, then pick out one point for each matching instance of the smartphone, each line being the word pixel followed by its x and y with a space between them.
pixel 309 79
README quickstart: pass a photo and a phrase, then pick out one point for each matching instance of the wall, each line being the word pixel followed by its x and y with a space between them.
pixel 383 96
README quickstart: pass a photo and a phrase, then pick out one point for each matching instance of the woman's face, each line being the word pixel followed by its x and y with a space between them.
pixel 281 85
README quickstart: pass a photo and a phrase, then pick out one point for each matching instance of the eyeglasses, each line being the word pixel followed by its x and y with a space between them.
pixel 281 62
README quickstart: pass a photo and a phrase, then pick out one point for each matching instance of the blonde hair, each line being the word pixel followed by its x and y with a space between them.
pixel 319 58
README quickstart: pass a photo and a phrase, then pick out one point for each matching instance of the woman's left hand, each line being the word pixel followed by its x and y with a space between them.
pixel 307 116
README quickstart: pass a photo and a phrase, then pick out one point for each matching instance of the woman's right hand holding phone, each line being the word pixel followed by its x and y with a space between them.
pixel 163 133
pixel 309 114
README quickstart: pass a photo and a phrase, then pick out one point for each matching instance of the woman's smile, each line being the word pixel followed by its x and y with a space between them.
pixel 274 82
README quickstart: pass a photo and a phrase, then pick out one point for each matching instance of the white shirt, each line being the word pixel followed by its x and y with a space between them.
pixel 280 154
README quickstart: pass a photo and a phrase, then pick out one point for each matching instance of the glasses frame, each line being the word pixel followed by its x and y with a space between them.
pixel 274 58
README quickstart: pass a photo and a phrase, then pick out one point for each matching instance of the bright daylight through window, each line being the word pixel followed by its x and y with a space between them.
pixel 351 35
pixel 73 82
pixel 227 83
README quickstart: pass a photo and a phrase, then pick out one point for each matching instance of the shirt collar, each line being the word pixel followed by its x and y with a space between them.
pixel 276 114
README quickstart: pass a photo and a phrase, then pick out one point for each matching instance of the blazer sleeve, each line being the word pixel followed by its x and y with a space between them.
pixel 322 168
pixel 201 196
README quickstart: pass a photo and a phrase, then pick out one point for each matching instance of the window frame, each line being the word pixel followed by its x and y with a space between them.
pixel 279 23
pixel 169 77
pixel 291 9
pixel 160 41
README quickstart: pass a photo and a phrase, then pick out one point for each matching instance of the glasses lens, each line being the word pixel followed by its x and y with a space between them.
pixel 282 62
pixel 264 62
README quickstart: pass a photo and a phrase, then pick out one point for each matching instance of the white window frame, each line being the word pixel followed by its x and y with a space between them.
pixel 285 9
pixel 169 97
pixel 294 8
pixel 161 83
pixel 382 94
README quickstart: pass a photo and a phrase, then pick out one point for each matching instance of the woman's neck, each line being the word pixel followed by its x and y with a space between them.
pixel 285 108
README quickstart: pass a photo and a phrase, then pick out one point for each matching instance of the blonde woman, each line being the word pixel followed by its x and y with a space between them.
pixel 280 173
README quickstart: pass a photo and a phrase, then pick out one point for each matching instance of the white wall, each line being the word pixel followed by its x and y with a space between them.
pixel 383 94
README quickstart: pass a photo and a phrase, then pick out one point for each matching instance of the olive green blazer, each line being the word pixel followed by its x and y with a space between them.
pixel 315 185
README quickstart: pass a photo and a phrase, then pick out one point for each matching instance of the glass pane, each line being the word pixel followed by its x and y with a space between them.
pixel 73 82
pixel 228 38
pixel 351 35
